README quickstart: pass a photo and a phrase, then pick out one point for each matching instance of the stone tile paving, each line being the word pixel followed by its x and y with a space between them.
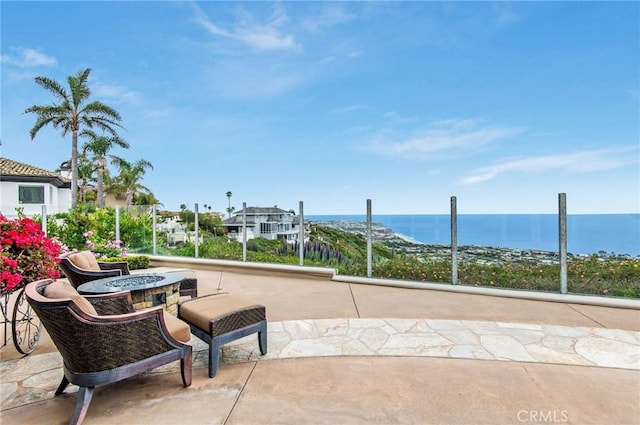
pixel 444 338
pixel 36 377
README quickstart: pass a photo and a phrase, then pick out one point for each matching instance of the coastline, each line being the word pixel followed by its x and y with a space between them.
pixel 587 234
pixel 403 244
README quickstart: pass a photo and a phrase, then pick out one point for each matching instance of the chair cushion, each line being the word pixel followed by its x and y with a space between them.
pixel 84 305
pixel 84 260
pixel 177 328
pixel 60 289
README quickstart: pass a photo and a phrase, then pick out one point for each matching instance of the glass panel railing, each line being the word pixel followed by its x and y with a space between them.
pixel 511 250
pixel 136 228
pixel 493 250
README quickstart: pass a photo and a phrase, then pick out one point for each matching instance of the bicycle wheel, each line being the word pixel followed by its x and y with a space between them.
pixel 25 325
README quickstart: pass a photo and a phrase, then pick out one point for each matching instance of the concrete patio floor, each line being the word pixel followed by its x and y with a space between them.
pixel 346 353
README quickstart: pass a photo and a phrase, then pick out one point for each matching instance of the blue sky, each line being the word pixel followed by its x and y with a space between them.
pixel 501 104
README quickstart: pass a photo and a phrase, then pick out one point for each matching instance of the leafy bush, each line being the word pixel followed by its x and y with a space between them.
pixel 221 249
pixel 263 245
pixel 88 227
pixel 597 276
pixel 134 262
pixel 618 276
pixel 136 229
pixel 269 257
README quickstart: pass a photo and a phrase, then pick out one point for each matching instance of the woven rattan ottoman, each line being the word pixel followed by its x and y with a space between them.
pixel 219 319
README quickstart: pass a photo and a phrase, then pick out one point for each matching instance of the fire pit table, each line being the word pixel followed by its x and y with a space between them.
pixel 147 290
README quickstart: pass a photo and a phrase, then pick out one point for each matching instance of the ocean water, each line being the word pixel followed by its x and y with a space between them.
pixel 586 233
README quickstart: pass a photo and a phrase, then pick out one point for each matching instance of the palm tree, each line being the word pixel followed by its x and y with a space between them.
pixel 146 199
pixel 230 209
pixel 100 146
pixel 71 111
pixel 183 216
pixel 128 181
pixel 85 175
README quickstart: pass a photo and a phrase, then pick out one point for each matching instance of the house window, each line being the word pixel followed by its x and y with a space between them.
pixel 31 194
pixel 266 228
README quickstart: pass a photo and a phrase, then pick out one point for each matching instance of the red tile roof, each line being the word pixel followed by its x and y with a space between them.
pixel 9 167
pixel 11 170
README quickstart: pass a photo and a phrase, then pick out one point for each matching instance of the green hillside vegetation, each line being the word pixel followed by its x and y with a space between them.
pixel 346 252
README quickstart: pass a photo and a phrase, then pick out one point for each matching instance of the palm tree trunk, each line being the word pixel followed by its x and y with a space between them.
pixel 100 183
pixel 74 168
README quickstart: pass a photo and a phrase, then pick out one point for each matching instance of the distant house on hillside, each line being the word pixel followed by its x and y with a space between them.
pixel 28 187
pixel 264 222
pixel 176 231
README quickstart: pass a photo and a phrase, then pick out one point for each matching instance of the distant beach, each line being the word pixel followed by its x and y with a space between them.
pixel 586 234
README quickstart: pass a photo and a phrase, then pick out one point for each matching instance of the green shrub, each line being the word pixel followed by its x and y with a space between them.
pixel 263 245
pixel 221 249
pixel 134 262
pixel 595 276
pixel 268 257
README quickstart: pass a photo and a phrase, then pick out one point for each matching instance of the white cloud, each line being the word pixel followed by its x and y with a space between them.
pixel 331 14
pixel 351 108
pixel 440 137
pixel 394 117
pixel 260 36
pixel 581 162
pixel 27 58
pixel 246 81
pixel 114 92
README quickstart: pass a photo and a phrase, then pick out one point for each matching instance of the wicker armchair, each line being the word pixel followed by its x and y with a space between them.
pixel 102 340
pixel 82 267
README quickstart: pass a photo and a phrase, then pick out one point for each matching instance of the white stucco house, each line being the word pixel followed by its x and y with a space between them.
pixel 264 222
pixel 175 231
pixel 30 188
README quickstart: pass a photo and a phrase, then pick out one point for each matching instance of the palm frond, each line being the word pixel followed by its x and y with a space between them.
pixel 53 86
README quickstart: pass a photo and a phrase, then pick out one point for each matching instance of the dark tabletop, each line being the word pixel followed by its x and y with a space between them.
pixel 134 282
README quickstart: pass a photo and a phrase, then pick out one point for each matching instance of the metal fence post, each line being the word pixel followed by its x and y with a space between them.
pixel 197 232
pixel 44 220
pixel 153 231
pixel 117 222
pixel 369 250
pixel 301 233
pixel 562 227
pixel 244 231
pixel 454 240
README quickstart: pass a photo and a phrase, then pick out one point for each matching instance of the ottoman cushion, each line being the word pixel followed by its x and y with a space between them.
pixel 201 312
pixel 222 318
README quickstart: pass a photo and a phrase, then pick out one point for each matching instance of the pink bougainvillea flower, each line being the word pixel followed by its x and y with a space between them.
pixel 9 262
pixel 27 254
